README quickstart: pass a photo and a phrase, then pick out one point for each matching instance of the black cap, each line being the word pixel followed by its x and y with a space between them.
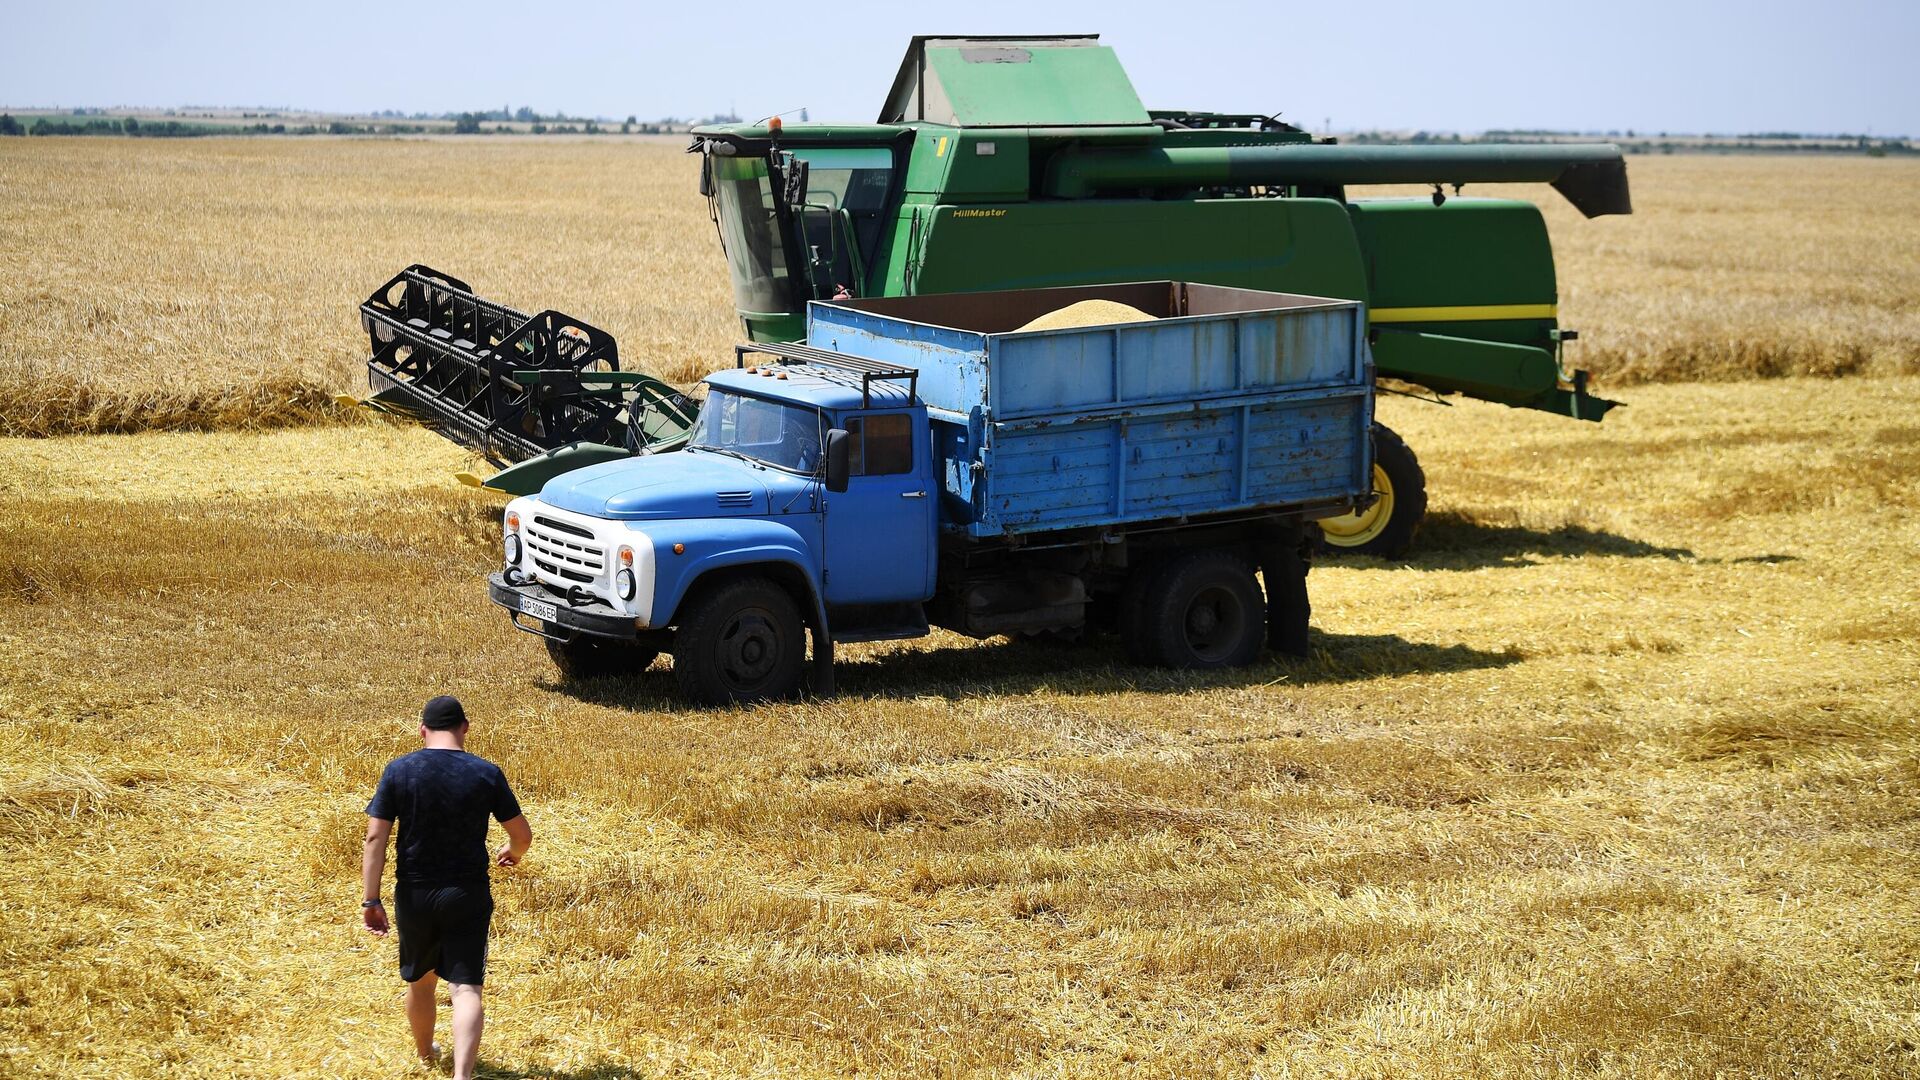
pixel 443 713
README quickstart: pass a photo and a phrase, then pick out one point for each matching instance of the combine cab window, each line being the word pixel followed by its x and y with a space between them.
pixel 750 232
pixel 855 180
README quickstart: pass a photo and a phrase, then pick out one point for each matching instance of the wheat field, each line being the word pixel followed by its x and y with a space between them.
pixel 154 284
pixel 1617 775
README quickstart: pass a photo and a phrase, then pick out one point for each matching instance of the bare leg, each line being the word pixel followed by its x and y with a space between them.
pixel 468 1016
pixel 420 1014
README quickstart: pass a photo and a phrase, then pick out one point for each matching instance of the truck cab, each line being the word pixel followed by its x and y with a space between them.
pixel 804 488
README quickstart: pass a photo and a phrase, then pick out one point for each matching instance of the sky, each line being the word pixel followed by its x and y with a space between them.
pixel 1677 66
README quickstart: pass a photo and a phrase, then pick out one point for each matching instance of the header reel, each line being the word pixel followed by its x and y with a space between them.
pixel 508 385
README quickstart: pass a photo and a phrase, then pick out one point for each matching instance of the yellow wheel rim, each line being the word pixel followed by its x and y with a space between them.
pixel 1353 530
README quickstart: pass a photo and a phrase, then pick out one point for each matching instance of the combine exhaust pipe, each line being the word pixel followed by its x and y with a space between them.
pixel 1593 177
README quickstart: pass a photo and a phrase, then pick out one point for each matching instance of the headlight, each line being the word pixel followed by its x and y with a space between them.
pixel 513 549
pixel 624 583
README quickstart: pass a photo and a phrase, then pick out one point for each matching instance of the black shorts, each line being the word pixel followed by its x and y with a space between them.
pixel 443 929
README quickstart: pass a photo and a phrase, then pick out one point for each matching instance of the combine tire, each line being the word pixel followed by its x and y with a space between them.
pixel 741 641
pixel 1386 528
pixel 597 658
pixel 1199 609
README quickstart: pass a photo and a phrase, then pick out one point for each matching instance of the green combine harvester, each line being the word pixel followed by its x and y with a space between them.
pixel 1029 162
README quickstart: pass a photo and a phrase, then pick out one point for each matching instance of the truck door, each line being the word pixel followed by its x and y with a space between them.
pixel 879 532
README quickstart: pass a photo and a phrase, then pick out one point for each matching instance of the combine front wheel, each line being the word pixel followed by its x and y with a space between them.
pixel 1387 527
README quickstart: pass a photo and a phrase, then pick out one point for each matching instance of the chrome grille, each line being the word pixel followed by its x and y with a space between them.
pixel 564 550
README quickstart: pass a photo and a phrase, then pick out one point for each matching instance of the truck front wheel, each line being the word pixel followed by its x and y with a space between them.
pixel 741 641
pixel 1200 609
pixel 1387 527
pixel 587 657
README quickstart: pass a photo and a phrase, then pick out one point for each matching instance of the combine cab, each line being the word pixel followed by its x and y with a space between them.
pixel 537 395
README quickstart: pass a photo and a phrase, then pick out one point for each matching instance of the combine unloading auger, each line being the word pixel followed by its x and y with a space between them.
pixel 538 395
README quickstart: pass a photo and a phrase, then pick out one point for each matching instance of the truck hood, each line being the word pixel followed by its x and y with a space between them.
pixel 679 485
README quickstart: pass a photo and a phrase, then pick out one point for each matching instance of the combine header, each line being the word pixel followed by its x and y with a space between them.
pixel 542 393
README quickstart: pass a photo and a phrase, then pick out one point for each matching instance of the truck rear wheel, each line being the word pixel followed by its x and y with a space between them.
pixel 1386 528
pixel 741 641
pixel 588 657
pixel 1199 609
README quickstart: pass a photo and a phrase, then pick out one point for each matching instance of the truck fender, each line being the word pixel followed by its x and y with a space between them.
pixel 710 545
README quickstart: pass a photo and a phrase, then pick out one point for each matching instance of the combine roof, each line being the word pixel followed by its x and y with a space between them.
pixel 1065 80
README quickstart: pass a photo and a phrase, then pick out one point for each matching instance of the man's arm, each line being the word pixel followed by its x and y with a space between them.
pixel 373 865
pixel 519 839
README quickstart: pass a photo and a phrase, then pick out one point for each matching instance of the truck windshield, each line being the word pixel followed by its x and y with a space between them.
pixel 784 436
pixel 750 233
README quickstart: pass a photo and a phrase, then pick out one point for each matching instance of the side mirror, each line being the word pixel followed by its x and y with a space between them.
pixel 838 445
pixel 790 173
pixel 706 175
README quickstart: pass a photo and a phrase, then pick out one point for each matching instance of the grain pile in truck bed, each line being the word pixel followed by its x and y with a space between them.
pixel 1087 313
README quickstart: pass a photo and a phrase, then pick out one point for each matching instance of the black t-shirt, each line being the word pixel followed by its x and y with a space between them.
pixel 441 798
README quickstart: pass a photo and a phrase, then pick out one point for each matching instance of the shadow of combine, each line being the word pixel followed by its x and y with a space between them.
pixel 1093 667
pixel 1452 541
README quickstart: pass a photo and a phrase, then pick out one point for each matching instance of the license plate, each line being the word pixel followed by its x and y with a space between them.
pixel 539 609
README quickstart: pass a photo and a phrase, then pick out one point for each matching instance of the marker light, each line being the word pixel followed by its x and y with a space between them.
pixel 679 549
pixel 513 520
pixel 626 556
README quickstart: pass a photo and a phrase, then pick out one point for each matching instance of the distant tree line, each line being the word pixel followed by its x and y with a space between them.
pixel 387 123
pixel 1644 143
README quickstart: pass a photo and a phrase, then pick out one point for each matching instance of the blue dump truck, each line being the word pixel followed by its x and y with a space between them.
pixel 925 461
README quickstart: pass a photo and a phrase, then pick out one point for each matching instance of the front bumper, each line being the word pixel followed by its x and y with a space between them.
pixel 532 600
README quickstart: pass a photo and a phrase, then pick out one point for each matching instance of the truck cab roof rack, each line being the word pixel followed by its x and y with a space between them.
pixel 867 370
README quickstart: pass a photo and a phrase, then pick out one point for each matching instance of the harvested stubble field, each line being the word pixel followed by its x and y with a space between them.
pixel 1618 775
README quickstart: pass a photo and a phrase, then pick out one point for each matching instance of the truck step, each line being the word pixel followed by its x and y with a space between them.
pixel 878 622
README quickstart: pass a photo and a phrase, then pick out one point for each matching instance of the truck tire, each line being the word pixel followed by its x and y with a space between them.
pixel 741 641
pixel 1200 609
pixel 1386 528
pixel 587 657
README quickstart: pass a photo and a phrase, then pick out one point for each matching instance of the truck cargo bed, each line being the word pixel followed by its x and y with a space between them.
pixel 1226 400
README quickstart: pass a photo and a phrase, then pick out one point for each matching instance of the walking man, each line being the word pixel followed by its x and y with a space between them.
pixel 441 796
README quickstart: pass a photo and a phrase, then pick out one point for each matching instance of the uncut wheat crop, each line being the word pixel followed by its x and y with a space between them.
pixel 156 284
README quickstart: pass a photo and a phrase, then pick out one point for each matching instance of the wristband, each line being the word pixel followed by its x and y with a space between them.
pixel 365 904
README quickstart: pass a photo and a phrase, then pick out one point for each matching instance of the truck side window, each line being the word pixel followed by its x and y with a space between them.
pixel 882 445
